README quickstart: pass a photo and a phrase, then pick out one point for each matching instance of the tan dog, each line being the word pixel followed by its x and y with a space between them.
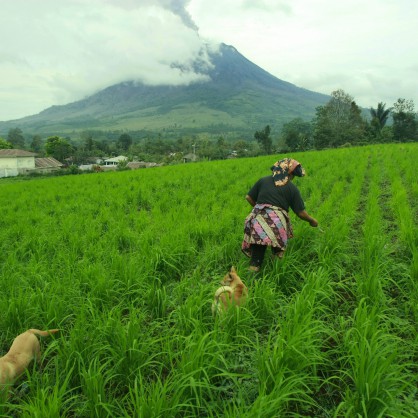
pixel 232 292
pixel 24 349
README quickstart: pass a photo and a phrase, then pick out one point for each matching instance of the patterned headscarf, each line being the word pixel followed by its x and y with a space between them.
pixel 283 168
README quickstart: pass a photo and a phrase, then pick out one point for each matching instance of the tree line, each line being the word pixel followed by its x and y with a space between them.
pixel 338 123
pixel 90 146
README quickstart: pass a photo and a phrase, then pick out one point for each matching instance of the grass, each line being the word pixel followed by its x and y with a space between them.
pixel 126 264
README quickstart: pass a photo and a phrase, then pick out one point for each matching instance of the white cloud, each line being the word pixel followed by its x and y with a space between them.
pixel 58 51
pixel 366 48
pixel 61 51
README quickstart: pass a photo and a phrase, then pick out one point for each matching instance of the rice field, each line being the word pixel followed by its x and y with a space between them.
pixel 126 265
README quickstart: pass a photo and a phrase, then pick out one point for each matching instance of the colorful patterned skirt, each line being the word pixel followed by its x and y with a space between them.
pixel 266 225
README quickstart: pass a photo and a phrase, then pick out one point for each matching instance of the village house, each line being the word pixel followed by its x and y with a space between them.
pixel 15 161
pixel 190 158
pixel 133 165
pixel 47 165
pixel 115 160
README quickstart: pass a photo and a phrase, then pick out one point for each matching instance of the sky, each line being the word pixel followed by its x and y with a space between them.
pixel 54 52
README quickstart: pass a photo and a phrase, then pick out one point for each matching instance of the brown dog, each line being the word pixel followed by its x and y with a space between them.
pixel 232 292
pixel 24 349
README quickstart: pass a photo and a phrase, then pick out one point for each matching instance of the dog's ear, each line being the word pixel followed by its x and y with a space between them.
pixel 226 280
pixel 232 270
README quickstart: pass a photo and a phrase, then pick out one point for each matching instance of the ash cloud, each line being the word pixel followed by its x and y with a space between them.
pixel 62 51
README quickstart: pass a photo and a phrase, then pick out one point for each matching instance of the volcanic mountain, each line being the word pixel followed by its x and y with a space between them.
pixel 238 96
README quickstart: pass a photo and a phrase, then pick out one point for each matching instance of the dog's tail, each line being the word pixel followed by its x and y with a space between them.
pixel 216 305
pixel 43 333
pixel 223 289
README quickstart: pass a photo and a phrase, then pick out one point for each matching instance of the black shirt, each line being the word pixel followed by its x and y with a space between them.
pixel 265 191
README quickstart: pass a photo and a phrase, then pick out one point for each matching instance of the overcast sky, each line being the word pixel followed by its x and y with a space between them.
pixel 57 51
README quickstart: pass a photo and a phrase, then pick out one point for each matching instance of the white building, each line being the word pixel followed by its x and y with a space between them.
pixel 115 160
pixel 16 161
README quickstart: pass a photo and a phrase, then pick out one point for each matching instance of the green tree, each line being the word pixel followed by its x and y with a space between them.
pixel 124 142
pixel 404 121
pixel 264 139
pixel 379 116
pixel 219 151
pixel 297 134
pixel 89 143
pixel 357 125
pixel 338 122
pixel 86 138
pixel 5 144
pixel 155 147
pixel 122 165
pixel 322 128
pixel 386 135
pixel 58 148
pixel 242 147
pixel 103 146
pixel 16 138
pixel 87 150
pixel 36 144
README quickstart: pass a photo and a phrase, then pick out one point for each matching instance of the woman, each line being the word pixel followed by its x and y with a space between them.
pixel 268 224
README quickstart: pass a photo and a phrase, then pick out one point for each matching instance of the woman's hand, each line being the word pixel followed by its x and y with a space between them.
pixel 308 218
pixel 313 222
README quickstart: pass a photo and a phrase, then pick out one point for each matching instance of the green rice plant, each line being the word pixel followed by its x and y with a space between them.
pixel 404 210
pixel 290 389
pixel 374 366
pixel 158 399
pixel 266 303
pixel 51 396
pixel 373 256
pixel 408 228
pixel 402 159
pixel 413 295
pixel 157 299
pixel 193 313
pixel 168 265
pixel 133 347
pixel 402 184
pixel 236 326
pixel 177 396
pixel 330 246
pixel 292 354
pixel 203 370
pixel 95 379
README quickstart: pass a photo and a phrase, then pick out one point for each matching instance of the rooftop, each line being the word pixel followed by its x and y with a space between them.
pixel 47 163
pixel 4 153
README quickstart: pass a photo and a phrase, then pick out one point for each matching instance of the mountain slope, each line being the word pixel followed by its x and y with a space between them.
pixel 240 96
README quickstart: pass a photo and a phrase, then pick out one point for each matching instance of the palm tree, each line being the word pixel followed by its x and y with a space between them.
pixel 379 116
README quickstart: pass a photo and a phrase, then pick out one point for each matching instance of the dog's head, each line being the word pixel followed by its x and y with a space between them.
pixel 231 278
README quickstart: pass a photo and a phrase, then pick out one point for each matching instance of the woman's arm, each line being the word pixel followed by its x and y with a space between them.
pixel 250 200
pixel 308 218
